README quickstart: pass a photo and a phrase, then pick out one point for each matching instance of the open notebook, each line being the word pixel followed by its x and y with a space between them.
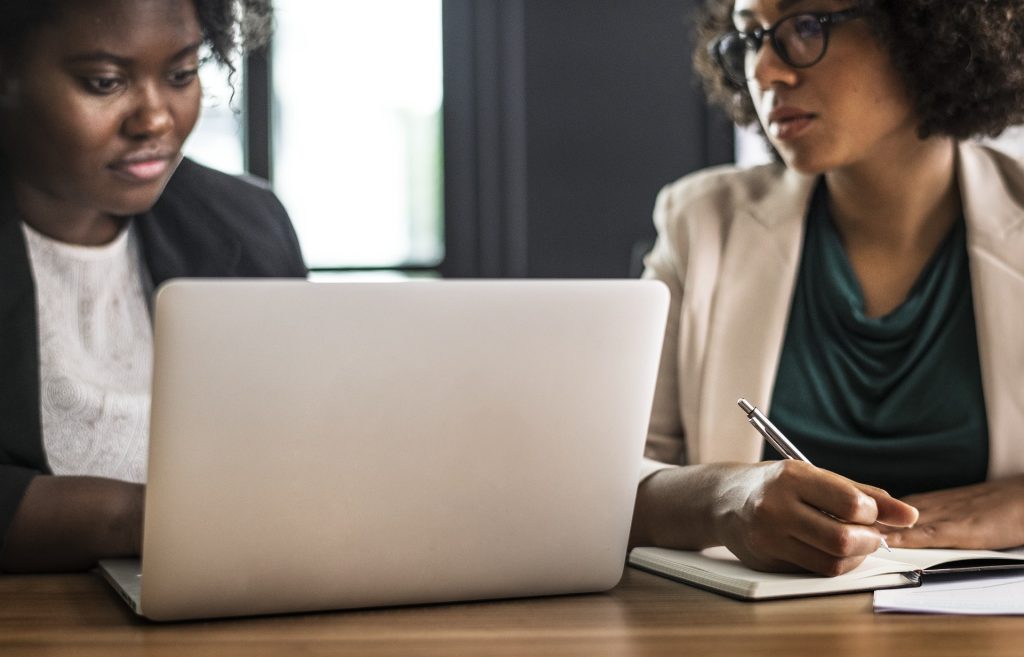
pixel 717 569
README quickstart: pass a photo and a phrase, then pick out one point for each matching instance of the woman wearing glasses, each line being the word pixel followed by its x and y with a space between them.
pixel 868 289
pixel 97 207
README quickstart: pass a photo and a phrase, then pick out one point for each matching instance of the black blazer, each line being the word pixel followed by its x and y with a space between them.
pixel 205 224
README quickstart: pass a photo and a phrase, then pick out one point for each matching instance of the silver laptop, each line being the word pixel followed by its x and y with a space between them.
pixel 321 446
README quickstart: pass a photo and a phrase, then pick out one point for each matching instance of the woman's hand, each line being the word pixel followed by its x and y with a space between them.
pixel 988 516
pixel 781 516
pixel 792 516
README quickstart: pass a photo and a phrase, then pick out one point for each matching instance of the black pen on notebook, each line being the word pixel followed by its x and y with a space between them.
pixel 776 438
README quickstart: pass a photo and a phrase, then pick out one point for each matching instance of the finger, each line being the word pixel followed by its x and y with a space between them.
pixel 838 497
pixel 891 511
pixel 925 535
pixel 832 536
pixel 822 510
pixel 932 515
pixel 923 501
pixel 807 557
pixel 928 535
pixel 793 556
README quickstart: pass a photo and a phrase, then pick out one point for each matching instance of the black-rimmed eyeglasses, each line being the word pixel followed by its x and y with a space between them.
pixel 800 40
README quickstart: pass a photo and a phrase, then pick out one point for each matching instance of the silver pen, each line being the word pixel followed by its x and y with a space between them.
pixel 777 439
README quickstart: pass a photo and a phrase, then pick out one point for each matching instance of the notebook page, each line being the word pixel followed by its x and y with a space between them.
pixel 922 559
pixel 730 565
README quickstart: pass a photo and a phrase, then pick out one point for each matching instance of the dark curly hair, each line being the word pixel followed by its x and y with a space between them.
pixel 962 62
pixel 229 26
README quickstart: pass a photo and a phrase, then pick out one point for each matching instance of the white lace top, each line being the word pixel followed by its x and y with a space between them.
pixel 96 355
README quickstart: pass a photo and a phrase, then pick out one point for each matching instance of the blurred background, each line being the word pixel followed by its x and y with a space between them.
pixel 472 138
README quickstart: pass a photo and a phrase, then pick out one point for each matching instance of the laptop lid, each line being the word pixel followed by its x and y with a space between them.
pixel 325 446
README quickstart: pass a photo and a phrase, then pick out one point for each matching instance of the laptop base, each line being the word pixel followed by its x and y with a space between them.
pixel 125 575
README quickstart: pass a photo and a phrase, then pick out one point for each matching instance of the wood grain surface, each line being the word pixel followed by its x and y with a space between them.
pixel 80 616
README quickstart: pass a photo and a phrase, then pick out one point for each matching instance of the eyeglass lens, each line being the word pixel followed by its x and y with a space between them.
pixel 798 40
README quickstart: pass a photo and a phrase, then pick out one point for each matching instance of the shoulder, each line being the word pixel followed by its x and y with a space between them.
pixel 716 194
pixel 204 213
pixel 214 200
pixel 992 188
pixel 197 184
pixel 993 167
pixel 725 181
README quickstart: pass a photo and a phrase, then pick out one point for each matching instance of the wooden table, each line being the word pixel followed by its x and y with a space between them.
pixel 645 615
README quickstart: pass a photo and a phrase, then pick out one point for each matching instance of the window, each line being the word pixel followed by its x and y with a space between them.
pixel 216 140
pixel 356 135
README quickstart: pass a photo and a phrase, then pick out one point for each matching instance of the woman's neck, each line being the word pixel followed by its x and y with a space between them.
pixel 892 214
pixel 903 200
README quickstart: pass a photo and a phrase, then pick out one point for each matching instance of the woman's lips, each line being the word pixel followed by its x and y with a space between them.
pixel 142 170
pixel 790 127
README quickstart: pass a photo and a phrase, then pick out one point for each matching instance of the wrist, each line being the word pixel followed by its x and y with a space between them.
pixel 132 519
pixel 121 534
pixel 681 508
pixel 729 491
pixel 645 522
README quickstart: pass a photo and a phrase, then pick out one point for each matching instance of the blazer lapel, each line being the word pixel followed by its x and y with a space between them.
pixel 992 187
pixel 178 242
pixel 749 316
pixel 19 351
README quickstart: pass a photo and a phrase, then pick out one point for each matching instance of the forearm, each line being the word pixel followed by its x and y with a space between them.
pixel 678 507
pixel 68 523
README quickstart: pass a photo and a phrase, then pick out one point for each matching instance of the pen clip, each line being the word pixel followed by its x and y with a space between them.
pixel 770 432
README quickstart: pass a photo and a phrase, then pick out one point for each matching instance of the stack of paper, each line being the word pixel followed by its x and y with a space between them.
pixel 975 594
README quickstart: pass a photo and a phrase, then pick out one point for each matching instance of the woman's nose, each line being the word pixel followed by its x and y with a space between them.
pixel 151 116
pixel 766 69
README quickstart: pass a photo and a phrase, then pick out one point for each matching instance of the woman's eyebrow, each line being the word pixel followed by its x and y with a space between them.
pixel 782 7
pixel 121 60
pixel 190 49
pixel 97 56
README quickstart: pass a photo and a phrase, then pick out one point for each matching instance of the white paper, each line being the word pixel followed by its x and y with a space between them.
pixel 973 594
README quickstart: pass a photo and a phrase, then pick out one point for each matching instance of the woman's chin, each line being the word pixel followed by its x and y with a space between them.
pixel 138 201
pixel 805 163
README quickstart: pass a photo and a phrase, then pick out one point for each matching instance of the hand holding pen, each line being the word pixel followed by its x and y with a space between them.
pixel 778 440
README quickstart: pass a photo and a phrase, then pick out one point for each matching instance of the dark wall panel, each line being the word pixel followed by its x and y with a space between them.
pixel 613 115
pixel 588 108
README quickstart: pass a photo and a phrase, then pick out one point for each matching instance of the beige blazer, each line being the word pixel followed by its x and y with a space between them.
pixel 729 249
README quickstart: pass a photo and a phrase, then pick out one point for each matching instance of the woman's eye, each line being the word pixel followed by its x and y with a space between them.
pixel 807 27
pixel 103 85
pixel 184 77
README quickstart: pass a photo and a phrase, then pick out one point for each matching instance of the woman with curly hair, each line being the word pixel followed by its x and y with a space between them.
pixel 867 289
pixel 97 208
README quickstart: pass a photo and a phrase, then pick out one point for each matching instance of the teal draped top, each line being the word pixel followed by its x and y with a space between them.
pixel 893 401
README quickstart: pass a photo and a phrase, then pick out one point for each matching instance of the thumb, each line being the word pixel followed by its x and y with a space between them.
pixel 891 511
